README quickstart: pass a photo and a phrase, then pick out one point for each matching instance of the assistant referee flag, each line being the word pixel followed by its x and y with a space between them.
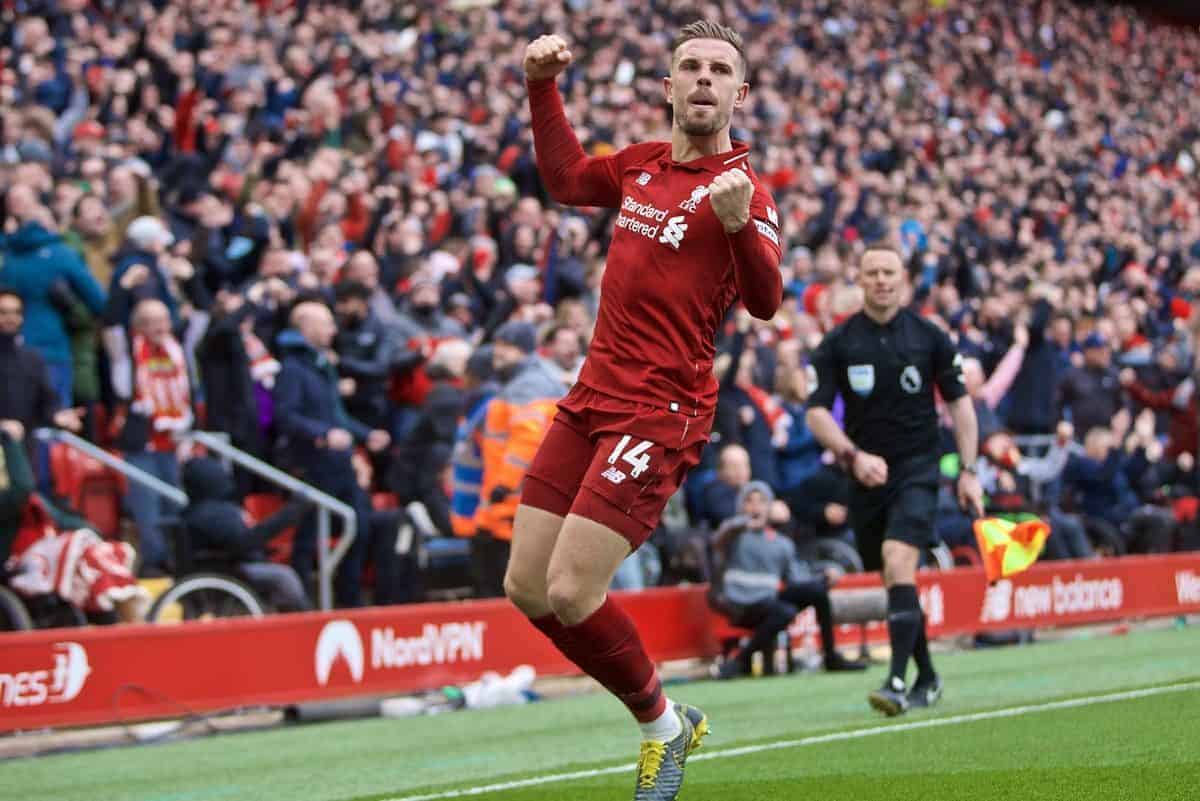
pixel 1009 547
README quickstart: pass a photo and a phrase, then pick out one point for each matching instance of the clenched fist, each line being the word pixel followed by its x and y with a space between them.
pixel 869 469
pixel 730 194
pixel 546 57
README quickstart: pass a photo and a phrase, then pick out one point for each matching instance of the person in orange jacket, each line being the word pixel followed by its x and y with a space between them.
pixel 517 420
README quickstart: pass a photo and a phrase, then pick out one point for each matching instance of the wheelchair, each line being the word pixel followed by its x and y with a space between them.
pixel 19 613
pixel 206 586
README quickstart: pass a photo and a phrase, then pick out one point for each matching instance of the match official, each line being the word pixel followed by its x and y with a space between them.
pixel 885 362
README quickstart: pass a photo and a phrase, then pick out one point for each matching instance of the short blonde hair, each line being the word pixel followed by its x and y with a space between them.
pixel 703 29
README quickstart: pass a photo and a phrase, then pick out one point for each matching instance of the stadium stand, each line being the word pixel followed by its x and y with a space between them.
pixel 1035 161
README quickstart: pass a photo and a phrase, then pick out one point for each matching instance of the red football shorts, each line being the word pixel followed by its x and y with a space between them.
pixel 613 461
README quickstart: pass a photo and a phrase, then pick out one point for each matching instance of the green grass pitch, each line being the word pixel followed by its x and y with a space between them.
pixel 1001 732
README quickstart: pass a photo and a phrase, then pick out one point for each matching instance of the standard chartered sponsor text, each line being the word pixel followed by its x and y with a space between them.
pixel 643 210
pixel 636 226
pixel 631 211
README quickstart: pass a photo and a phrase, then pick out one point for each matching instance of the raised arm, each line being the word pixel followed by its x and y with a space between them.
pixel 1006 371
pixel 570 175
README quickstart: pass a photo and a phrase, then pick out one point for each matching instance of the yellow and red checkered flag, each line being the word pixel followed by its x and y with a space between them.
pixel 1009 547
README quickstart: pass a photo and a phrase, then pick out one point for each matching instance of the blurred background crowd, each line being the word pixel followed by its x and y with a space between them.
pixel 318 227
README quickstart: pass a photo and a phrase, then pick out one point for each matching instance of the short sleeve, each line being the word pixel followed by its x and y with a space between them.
pixel 948 368
pixel 822 374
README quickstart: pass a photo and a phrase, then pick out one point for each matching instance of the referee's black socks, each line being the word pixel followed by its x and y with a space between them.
pixel 925 671
pixel 905 625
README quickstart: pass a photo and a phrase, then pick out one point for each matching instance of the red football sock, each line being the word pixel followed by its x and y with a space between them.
pixel 555 631
pixel 606 646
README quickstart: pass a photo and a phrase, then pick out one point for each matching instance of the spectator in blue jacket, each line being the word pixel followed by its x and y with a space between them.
pixel 146 269
pixel 746 413
pixel 1099 479
pixel 1103 483
pixel 720 496
pixel 1030 407
pixel 38 265
pixel 797 452
pixel 318 437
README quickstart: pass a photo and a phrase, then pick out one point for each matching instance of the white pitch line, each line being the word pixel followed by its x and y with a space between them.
pixel 853 734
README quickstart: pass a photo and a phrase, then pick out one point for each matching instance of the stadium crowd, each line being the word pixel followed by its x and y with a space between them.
pixel 319 228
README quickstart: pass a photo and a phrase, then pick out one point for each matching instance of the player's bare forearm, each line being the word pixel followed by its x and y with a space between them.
pixel 827 431
pixel 966 430
pixel 756 271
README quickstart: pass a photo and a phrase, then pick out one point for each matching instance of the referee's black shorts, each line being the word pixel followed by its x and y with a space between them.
pixel 903 509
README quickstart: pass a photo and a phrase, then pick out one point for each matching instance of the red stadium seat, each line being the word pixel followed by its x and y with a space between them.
pixel 381 501
pixel 260 506
pixel 89 488
pixel 966 555
pixel 727 634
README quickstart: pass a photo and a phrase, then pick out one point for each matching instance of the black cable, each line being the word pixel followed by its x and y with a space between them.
pixel 190 715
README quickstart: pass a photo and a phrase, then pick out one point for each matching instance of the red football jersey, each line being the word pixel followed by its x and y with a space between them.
pixel 672 270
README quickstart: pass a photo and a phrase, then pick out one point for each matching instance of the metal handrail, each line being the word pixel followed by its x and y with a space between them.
pixel 132 472
pixel 327 558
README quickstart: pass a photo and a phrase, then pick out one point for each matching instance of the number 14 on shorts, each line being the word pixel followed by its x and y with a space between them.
pixel 635 456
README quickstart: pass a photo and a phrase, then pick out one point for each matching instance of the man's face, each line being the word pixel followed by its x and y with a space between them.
pixel 424 296
pixel 755 507
pixel 525 290
pixel 735 466
pixel 1098 444
pixel 1125 323
pixel 351 311
pixel 12 314
pixel 364 269
pixel 276 263
pixel 883 279
pixel 93 216
pixel 506 356
pixel 317 326
pixel 1061 332
pixel 21 201
pixel 155 324
pixel 524 240
pixel 705 86
pixel 564 348
pixel 1097 357
pixel 122 185
pixel 993 309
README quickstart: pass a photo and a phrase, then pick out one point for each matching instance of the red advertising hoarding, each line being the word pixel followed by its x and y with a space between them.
pixel 68 677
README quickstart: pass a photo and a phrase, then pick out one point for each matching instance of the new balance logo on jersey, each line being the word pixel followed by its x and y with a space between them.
pixel 773 216
pixel 643 179
pixel 614 475
pixel 673 234
pixel 698 194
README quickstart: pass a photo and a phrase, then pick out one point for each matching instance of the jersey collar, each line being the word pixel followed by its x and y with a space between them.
pixel 718 162
pixel 890 325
